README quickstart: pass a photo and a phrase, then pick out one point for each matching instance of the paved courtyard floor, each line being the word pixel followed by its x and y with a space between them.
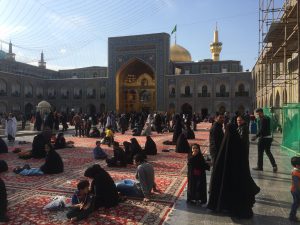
pixel 272 203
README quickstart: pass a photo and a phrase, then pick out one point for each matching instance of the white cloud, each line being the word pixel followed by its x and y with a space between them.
pixel 63 51
pixel 7 31
pixel 67 22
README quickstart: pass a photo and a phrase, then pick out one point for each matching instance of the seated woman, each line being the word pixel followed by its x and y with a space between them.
pixel 135 146
pixel 128 152
pixel 119 158
pixel 147 130
pixel 182 145
pixel 61 142
pixel 95 133
pixel 150 146
pixel 3 146
pixel 3 203
pixel 145 183
pixel 53 164
pixel 102 187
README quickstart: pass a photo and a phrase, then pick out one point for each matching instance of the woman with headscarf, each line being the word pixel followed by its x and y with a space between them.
pixel 119 158
pixel 102 187
pixel 150 146
pixel 128 152
pixel 189 132
pixel 182 145
pixel 197 176
pixel 135 146
pixel 232 187
pixel 177 128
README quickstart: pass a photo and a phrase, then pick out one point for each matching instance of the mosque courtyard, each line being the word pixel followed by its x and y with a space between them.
pixel 28 195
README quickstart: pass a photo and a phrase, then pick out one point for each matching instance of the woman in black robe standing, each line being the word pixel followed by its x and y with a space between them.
pixel 3 146
pixel 182 145
pixel 232 187
pixel 102 187
pixel 177 129
pixel 197 166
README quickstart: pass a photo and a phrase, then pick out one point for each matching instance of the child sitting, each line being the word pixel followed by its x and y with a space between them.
pixel 196 176
pixel 3 195
pixel 98 151
pixel 109 136
pixel 81 202
pixel 295 189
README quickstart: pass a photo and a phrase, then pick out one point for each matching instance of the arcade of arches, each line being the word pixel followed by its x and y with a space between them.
pixel 135 87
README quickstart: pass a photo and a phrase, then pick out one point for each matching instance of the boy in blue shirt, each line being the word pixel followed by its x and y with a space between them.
pixel 98 151
pixel 81 202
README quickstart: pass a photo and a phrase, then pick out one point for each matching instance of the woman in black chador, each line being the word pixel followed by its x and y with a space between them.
pixel 232 187
pixel 182 145
pixel 197 176
pixel 150 146
pixel 177 128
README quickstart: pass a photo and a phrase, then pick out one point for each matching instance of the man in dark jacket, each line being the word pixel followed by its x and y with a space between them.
pixel 216 135
pixel 264 140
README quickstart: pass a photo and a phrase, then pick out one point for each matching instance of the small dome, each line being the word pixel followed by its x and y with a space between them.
pixel 44 104
pixel 179 54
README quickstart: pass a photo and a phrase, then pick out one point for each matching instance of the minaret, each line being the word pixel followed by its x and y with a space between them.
pixel 42 63
pixel 10 55
pixel 216 46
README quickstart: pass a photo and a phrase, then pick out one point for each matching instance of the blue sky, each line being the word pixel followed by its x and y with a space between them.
pixel 74 33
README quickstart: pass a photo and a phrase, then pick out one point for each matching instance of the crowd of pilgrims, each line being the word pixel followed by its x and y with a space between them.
pixel 231 188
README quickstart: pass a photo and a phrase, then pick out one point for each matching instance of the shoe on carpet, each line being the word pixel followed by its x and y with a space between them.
pixel 275 169
pixel 257 169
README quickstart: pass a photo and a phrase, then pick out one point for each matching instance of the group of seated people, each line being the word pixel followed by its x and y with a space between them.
pixel 123 156
pixel 104 192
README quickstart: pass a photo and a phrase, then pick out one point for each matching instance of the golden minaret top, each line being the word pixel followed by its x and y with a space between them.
pixel 216 46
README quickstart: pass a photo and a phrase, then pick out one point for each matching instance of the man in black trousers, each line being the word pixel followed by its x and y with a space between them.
pixel 264 140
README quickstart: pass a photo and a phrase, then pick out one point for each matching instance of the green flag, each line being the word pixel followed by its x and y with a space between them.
pixel 174 29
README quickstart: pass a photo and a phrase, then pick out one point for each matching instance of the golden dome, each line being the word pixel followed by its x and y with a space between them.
pixel 179 54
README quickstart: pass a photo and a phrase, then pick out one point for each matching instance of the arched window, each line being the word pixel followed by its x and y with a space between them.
pixel 222 89
pixel 204 91
pixel 187 91
pixel 2 88
pixel 241 88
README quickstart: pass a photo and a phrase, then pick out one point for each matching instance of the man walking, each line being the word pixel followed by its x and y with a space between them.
pixel 264 140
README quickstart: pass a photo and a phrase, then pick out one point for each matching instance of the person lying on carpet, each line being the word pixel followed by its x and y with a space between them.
pixel 53 164
pixel 38 146
pixel 3 195
pixel 197 166
pixel 150 146
pixel 82 205
pixel 145 183
pixel 61 142
pixel 3 146
pixel 119 158
pixel 102 187
pixel 98 152
pixel 95 133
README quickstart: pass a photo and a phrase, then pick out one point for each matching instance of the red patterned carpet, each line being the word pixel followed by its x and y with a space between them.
pixel 28 195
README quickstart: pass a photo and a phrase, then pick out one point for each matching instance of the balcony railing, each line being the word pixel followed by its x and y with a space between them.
pixel 225 94
pixel 186 95
pixel 15 94
pixel 51 96
pixel 64 96
pixel 242 94
pixel 90 96
pixel 28 95
pixel 77 96
pixel 203 95
pixel 102 95
pixel 39 96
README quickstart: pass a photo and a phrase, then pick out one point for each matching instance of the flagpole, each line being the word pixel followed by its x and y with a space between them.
pixel 175 35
